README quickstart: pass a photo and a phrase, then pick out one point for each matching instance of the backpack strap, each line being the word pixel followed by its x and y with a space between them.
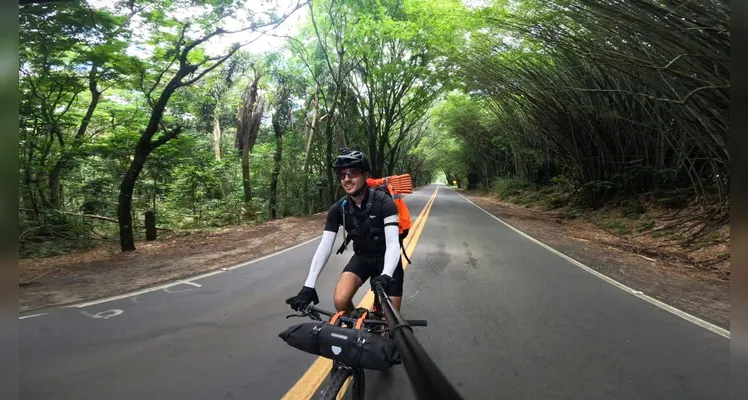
pixel 360 340
pixel 346 239
pixel 346 208
pixel 343 247
pixel 405 254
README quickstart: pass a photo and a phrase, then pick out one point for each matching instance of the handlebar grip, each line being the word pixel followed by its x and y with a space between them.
pixel 417 322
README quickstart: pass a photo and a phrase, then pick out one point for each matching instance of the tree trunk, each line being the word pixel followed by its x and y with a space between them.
pixel 276 169
pixel 150 226
pixel 378 167
pixel 54 184
pixel 29 198
pixel 245 175
pixel 393 158
pixel 66 160
pixel 372 129
pixel 308 151
pixel 310 134
pixel 217 139
pixel 144 147
pixel 328 169
pixel 127 242
pixel 250 114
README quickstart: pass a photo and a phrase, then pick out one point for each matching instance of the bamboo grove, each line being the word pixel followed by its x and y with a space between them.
pixel 166 106
pixel 607 98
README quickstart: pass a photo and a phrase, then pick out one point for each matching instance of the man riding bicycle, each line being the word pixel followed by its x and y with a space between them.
pixel 370 218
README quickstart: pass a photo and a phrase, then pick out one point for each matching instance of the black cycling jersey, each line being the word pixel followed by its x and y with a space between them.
pixel 364 224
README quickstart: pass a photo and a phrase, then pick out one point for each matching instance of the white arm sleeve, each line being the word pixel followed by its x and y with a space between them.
pixel 392 254
pixel 320 257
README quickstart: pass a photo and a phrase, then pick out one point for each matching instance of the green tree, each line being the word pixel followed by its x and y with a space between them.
pixel 179 62
pixel 69 56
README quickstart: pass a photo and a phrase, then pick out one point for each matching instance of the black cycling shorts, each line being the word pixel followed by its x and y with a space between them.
pixel 366 267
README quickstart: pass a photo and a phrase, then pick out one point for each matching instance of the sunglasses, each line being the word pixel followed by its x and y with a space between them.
pixel 351 173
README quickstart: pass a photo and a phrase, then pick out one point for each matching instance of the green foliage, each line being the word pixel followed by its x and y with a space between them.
pixel 509 187
pixel 552 106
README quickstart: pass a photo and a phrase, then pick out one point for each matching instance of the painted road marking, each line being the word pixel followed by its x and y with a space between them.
pixel 192 283
pixel 169 290
pixel 179 282
pixel 32 316
pixel 104 314
pixel 688 317
pixel 309 383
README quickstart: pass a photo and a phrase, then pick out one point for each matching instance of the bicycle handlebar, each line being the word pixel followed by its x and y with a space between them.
pixel 412 322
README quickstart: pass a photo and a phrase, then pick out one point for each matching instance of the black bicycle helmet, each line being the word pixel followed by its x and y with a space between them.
pixel 351 159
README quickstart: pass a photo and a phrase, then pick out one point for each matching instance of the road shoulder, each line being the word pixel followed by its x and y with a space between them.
pixel 701 293
pixel 102 272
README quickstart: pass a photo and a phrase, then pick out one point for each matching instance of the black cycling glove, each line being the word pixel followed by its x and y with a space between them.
pixel 384 280
pixel 300 301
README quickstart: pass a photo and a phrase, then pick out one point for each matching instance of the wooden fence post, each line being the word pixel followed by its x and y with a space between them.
pixel 150 226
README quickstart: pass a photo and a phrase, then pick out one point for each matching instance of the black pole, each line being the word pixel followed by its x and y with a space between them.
pixel 427 381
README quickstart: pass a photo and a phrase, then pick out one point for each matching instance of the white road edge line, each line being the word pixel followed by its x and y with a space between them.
pixel 32 315
pixel 182 281
pixel 688 317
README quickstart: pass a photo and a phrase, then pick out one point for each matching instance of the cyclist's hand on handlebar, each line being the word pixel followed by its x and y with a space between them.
pixel 301 301
pixel 384 280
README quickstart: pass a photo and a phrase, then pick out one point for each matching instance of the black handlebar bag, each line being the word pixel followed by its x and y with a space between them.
pixel 352 347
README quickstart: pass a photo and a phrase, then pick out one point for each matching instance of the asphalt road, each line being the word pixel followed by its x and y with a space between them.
pixel 508 319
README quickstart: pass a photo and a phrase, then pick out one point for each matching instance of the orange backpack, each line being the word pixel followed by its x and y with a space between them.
pixel 396 186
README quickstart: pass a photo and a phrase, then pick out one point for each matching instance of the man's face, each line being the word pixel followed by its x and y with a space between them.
pixel 351 179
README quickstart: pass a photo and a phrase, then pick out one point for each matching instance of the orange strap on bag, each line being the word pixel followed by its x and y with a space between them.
pixel 335 317
pixel 360 321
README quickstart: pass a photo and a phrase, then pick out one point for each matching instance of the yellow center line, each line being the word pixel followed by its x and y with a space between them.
pixel 308 384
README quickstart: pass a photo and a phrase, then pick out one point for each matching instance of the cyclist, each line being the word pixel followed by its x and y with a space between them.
pixel 370 218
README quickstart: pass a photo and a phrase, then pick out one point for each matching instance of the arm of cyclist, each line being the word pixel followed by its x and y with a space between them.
pixel 392 240
pixel 308 294
pixel 321 256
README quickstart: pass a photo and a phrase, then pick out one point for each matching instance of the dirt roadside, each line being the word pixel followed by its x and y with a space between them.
pixel 105 271
pixel 702 293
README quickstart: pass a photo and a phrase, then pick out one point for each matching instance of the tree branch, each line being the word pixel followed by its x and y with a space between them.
pixel 166 137
pixel 212 67
pixel 176 54
pixel 319 39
